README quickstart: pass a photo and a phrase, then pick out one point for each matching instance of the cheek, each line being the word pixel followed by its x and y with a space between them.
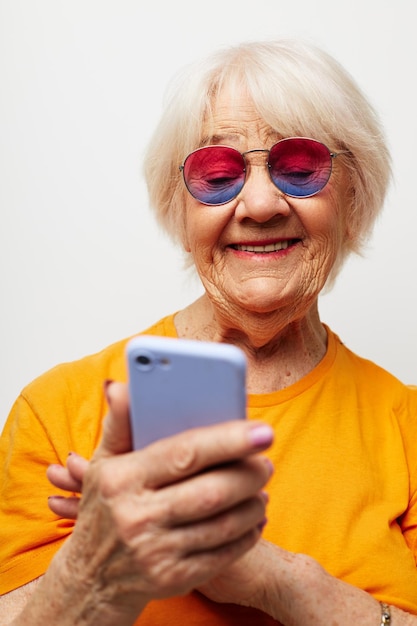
pixel 324 218
pixel 203 226
pixel 327 225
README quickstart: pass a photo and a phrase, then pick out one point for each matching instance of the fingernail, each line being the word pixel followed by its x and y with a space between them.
pixel 261 435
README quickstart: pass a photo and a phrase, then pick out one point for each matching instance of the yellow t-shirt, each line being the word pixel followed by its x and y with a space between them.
pixel 344 488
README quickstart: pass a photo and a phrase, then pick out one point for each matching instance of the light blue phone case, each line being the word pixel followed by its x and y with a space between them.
pixel 177 384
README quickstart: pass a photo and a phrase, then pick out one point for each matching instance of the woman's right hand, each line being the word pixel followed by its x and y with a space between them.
pixel 160 521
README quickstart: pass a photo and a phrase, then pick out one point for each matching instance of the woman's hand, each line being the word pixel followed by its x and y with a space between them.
pixel 163 520
pixel 239 584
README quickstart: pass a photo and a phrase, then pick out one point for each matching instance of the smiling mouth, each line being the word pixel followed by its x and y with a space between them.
pixel 270 247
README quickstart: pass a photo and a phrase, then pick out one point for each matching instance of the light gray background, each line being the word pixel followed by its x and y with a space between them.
pixel 82 82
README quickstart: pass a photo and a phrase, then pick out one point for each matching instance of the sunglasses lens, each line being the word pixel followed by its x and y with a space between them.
pixel 300 167
pixel 214 174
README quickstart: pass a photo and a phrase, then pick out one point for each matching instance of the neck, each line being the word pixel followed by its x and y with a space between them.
pixel 279 352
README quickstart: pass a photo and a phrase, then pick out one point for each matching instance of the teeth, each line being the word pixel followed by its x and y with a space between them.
pixel 271 247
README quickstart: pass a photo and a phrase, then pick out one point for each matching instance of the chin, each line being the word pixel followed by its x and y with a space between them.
pixel 261 303
pixel 266 293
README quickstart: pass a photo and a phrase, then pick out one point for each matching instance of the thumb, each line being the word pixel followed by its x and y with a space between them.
pixel 116 437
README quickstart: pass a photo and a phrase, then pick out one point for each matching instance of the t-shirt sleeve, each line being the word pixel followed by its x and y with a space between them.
pixel 59 412
pixel 30 533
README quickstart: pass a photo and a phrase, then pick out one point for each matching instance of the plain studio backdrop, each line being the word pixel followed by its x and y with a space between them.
pixel 82 84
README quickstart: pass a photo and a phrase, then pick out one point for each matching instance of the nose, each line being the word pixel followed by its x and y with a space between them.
pixel 260 200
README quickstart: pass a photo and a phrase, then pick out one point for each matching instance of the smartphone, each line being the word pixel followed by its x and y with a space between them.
pixel 178 384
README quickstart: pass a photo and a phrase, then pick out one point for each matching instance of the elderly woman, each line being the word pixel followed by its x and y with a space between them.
pixel 269 168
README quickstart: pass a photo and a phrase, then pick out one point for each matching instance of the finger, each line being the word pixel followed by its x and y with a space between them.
pixel 220 530
pixel 196 450
pixel 173 459
pixel 210 508
pixel 210 493
pixel 77 466
pixel 61 477
pixel 64 507
pixel 201 566
pixel 116 437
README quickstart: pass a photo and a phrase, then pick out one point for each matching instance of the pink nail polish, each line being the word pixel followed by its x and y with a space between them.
pixel 261 435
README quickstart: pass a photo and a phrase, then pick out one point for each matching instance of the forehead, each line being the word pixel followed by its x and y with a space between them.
pixel 234 119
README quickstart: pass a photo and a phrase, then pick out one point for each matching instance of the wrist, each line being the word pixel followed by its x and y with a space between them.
pixel 298 586
pixel 385 614
pixel 71 593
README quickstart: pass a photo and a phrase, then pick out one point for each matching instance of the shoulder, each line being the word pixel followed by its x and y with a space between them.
pixel 386 392
pixel 374 373
pixel 72 392
pixel 76 377
pixel 66 404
